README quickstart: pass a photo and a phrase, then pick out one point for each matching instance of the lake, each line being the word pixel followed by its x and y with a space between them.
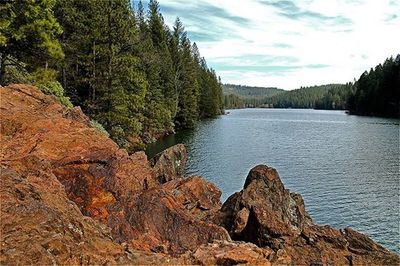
pixel 346 167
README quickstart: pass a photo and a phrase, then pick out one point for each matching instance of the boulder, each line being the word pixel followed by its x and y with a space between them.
pixel 231 253
pixel 266 214
pixel 170 164
pixel 196 195
pixel 160 224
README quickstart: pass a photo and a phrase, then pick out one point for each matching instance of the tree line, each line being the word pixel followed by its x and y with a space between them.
pixel 376 92
pixel 121 63
pixel 304 97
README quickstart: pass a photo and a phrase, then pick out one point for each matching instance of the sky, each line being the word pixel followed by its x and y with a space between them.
pixel 290 43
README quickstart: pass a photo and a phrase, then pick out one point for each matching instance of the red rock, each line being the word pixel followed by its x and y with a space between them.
pixel 104 181
pixel 230 253
pixel 170 164
pixel 41 226
pixel 199 197
pixel 161 224
pixel 265 213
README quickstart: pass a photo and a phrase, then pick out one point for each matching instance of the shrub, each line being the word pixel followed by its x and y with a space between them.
pixel 99 127
pixel 45 80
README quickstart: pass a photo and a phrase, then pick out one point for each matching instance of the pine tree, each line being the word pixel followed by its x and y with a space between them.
pixel 121 95
pixel 160 35
pixel 28 36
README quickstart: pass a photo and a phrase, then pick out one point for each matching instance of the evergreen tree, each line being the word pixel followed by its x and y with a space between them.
pixel 121 95
pixel 157 116
pixel 377 92
pixel 28 37
pixel 160 35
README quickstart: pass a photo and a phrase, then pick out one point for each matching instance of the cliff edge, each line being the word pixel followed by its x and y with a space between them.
pixel 69 195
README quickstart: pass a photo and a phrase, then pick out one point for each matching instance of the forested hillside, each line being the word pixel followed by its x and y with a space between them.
pixel 239 96
pixel 248 91
pixel 377 92
pixel 335 98
pixel 122 64
pixel 305 97
pixel 332 96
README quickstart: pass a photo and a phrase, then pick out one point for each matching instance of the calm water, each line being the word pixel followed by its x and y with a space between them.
pixel 346 167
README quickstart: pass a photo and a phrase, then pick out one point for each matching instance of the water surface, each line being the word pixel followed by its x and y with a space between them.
pixel 345 167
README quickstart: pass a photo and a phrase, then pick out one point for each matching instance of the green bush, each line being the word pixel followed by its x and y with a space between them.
pixel 55 88
pixel 99 127
pixel 46 81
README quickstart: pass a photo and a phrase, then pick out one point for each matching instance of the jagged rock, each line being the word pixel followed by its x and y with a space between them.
pixel 160 224
pixel 41 226
pixel 265 213
pixel 199 197
pixel 170 164
pixel 231 253
pixel 105 182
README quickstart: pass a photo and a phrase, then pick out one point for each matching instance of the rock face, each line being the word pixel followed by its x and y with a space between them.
pixel 41 226
pixel 199 197
pixel 119 190
pixel 170 164
pixel 266 214
pixel 231 253
pixel 69 195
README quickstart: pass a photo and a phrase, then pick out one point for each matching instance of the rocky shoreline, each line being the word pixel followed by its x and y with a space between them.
pixel 69 195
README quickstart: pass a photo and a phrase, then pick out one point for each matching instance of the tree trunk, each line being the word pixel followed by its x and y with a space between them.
pixel 64 76
pixel 2 68
pixel 94 73
pixel 110 52
pixel 63 71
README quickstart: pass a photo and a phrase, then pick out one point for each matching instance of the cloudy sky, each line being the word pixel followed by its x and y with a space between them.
pixel 291 43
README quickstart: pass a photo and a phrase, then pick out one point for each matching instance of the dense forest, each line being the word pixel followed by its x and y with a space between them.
pixel 121 63
pixel 239 96
pixel 335 98
pixel 377 92
pixel 305 97
pixel 324 97
pixel 248 91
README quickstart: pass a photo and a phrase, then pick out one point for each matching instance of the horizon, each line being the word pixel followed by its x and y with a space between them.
pixel 289 44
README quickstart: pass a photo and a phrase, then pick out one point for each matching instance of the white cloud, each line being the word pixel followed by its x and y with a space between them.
pixel 348 36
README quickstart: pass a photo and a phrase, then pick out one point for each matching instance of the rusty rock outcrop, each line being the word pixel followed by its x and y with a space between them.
pixel 105 182
pixel 266 214
pixel 41 226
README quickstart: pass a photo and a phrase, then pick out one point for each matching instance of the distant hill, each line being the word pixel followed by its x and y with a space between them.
pixel 330 96
pixel 305 97
pixel 248 91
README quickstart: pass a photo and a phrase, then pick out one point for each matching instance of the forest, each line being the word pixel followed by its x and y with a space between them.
pixel 304 97
pixel 375 93
pixel 132 74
